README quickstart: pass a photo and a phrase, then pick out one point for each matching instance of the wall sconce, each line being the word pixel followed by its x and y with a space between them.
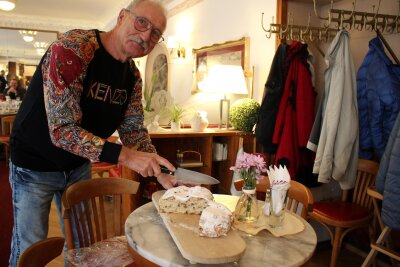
pixel 7 5
pixel 177 50
pixel 28 36
pixel 224 79
pixel 40 47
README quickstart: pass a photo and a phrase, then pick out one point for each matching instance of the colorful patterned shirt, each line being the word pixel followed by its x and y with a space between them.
pixel 78 96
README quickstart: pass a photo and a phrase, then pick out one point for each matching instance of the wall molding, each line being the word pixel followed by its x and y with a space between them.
pixel 182 7
pixel 43 23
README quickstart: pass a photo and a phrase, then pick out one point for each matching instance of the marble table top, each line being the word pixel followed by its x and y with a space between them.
pixel 147 234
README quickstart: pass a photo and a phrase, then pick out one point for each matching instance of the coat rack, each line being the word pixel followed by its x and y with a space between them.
pixel 298 32
pixel 352 19
pixel 344 19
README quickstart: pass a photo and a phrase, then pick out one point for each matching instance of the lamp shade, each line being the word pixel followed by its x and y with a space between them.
pixel 225 79
pixel 7 5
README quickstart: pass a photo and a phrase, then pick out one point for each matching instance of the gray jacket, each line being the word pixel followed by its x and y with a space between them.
pixel 337 144
pixel 388 179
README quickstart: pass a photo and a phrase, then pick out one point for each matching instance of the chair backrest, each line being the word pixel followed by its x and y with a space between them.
pixel 298 193
pixel 42 252
pixel 7 124
pixel 85 204
pixel 366 175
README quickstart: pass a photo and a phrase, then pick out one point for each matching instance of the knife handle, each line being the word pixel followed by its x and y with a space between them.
pixel 165 170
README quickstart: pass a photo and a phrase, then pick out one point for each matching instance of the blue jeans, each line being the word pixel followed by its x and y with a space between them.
pixel 32 193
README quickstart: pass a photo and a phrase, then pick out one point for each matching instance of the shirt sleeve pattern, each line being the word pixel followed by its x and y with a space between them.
pixel 64 68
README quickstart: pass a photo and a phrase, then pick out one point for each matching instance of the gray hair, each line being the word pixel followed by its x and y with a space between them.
pixel 134 3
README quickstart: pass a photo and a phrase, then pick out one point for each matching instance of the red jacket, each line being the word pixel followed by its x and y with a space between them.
pixel 296 111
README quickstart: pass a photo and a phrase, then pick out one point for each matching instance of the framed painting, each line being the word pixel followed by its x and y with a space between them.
pixel 228 53
pixel 156 94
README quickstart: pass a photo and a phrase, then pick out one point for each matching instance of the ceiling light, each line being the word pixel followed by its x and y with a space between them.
pixel 7 5
pixel 28 35
pixel 40 47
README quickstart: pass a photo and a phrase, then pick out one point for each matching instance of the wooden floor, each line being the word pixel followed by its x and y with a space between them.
pixel 55 230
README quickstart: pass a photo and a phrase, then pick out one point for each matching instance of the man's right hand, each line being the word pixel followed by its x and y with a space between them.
pixel 144 163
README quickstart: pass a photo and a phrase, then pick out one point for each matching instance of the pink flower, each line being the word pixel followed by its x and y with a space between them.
pixel 246 162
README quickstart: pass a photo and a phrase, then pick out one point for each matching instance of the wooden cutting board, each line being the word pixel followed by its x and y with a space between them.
pixel 184 231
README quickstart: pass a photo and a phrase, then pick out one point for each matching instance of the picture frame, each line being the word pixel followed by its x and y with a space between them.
pixel 156 89
pixel 229 53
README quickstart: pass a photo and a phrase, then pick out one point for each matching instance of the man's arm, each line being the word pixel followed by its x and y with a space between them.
pixel 63 68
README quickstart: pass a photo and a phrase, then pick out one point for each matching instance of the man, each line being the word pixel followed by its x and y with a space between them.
pixel 14 91
pixel 85 87
pixel 3 81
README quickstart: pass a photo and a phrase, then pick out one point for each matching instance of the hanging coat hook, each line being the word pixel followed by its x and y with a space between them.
pixel 282 30
pixel 269 31
pixel 371 24
pixel 397 20
pixel 391 23
pixel 311 35
pixel 381 23
pixel 302 33
pixel 320 30
pixel 358 24
pixel 329 13
pixel 351 16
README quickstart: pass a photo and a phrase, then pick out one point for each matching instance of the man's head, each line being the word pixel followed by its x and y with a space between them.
pixel 140 27
pixel 13 83
pixel 2 73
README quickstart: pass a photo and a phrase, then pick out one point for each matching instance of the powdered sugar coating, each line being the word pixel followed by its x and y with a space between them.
pixel 215 220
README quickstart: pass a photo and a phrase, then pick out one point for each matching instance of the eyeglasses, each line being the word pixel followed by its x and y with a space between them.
pixel 142 24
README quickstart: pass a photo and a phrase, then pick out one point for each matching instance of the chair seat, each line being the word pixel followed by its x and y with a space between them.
pixel 108 252
pixel 341 211
pixel 101 164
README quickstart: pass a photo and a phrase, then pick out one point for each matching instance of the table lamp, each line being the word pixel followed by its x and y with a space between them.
pixel 224 79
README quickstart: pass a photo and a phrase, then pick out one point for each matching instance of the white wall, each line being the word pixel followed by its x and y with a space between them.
pixel 218 21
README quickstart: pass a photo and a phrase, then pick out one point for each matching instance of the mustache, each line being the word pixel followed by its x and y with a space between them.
pixel 140 41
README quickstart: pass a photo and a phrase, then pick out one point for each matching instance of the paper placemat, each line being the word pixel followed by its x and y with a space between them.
pixel 291 224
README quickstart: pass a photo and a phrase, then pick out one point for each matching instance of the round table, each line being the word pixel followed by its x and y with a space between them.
pixel 148 237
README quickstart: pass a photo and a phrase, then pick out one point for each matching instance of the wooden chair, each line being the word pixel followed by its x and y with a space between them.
pixel 382 244
pixel 348 213
pixel 42 252
pixel 84 203
pixel 100 168
pixel 6 129
pixel 298 193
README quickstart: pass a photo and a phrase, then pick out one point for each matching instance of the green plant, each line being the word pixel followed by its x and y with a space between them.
pixel 148 92
pixel 244 113
pixel 176 113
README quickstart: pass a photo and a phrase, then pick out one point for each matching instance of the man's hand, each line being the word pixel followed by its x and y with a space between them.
pixel 166 180
pixel 169 181
pixel 144 163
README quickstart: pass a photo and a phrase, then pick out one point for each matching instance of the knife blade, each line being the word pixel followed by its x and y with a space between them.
pixel 190 176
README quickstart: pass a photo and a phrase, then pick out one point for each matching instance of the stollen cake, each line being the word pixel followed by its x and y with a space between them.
pixel 215 220
pixel 187 200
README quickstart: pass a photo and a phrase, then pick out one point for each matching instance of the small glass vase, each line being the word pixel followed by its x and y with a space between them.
pixel 175 126
pixel 247 209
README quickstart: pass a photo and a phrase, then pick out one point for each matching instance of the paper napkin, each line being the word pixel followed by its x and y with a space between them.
pixel 279 179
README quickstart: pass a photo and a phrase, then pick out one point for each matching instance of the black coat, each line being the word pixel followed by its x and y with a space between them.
pixel 271 99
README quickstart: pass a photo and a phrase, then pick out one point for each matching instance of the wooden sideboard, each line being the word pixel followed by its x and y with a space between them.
pixel 167 143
